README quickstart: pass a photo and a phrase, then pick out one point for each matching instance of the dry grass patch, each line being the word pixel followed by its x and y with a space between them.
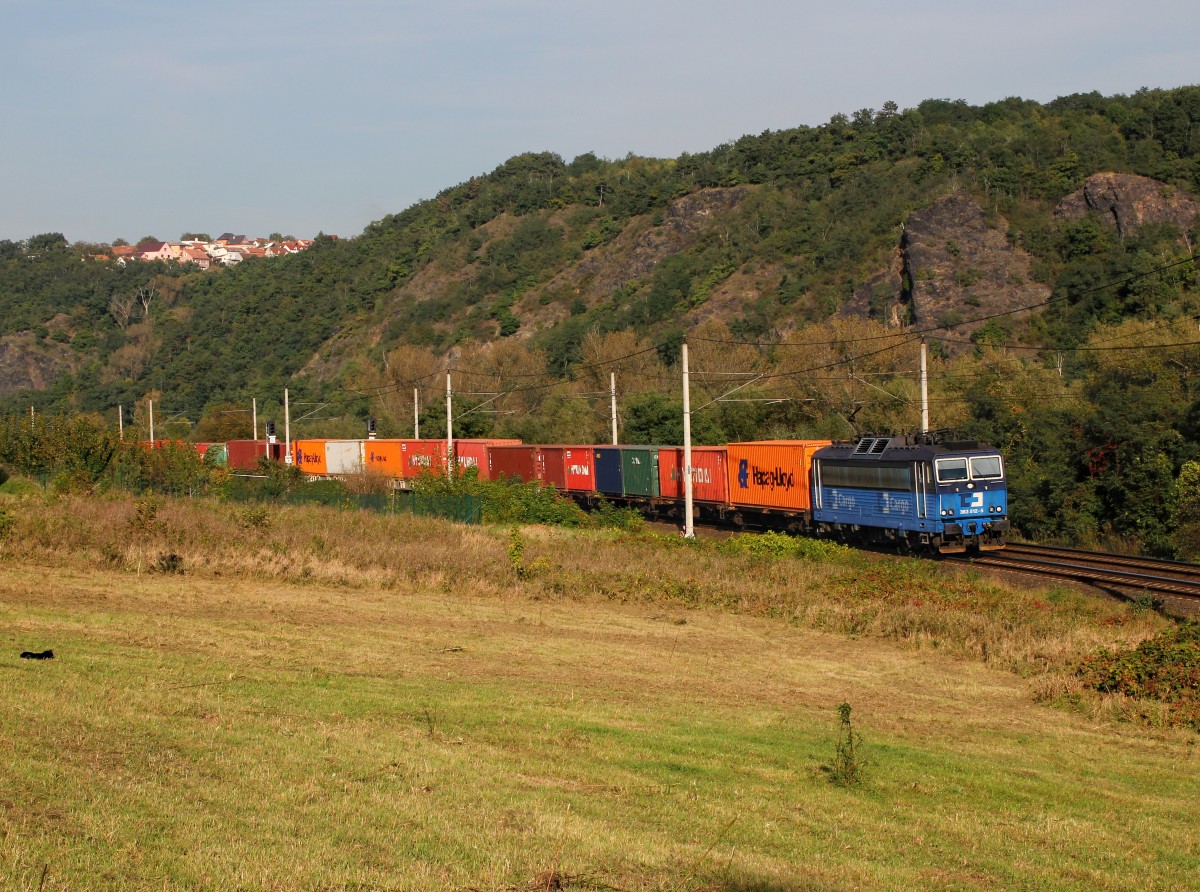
pixel 1031 632
pixel 345 701
pixel 187 738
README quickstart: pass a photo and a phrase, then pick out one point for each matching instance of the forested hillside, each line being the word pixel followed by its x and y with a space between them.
pixel 1044 252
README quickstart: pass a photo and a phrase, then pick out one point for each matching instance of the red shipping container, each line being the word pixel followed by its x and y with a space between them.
pixel 422 457
pixel 710 481
pixel 580 468
pixel 772 473
pixel 473 453
pixel 244 454
pixel 552 466
pixel 513 463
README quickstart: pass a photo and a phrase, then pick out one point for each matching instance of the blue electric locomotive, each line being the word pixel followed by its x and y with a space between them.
pixel 913 492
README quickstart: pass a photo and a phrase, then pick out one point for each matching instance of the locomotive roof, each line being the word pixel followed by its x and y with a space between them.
pixel 900 448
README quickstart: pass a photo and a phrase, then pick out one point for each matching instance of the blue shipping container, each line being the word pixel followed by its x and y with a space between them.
pixel 608 470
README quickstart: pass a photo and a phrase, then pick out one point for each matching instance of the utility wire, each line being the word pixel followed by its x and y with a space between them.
pixel 908 337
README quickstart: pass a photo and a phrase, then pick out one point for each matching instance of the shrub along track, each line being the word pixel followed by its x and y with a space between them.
pixel 1174 583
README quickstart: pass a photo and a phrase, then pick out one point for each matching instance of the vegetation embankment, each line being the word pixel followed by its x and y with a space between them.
pixel 533 282
pixel 1044 633
pixel 297 698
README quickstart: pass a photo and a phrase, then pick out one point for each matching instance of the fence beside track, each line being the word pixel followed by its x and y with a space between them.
pixel 460 508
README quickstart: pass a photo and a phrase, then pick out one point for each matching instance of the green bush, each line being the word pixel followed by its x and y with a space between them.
pixel 1164 668
pixel 847 767
pixel 508 502
pixel 606 514
pixel 781 545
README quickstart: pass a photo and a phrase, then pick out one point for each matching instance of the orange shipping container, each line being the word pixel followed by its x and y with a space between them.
pixel 382 457
pixel 772 473
pixel 310 456
pixel 325 457
pixel 710 480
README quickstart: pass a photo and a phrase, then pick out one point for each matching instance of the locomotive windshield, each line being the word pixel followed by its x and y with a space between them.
pixel 982 467
pixel 951 470
pixel 986 467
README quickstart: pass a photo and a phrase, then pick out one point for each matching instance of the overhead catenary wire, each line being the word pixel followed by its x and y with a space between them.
pixel 906 338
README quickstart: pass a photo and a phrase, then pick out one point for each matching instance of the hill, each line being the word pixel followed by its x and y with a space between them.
pixel 801 263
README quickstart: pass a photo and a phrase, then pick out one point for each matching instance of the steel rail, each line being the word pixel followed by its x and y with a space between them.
pixel 1093 575
pixel 1160 566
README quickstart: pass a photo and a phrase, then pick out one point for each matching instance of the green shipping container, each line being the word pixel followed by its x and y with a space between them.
pixel 639 468
pixel 217 454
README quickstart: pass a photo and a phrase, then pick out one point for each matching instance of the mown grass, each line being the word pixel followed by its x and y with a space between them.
pixel 344 701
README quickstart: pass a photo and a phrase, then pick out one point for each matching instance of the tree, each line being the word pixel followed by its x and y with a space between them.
pixel 145 296
pixel 390 388
pixel 46 242
pixel 654 419
pixel 223 422
pixel 120 307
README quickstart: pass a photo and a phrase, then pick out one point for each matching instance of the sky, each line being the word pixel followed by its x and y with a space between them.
pixel 134 119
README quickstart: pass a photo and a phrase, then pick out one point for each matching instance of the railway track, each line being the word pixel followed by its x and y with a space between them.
pixel 1174 583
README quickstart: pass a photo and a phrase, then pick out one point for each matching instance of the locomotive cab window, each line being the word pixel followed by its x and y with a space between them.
pixel 951 470
pixel 986 467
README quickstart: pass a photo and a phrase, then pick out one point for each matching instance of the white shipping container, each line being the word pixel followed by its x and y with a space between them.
pixel 344 456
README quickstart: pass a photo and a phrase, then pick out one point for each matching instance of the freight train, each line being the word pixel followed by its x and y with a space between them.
pixel 925 492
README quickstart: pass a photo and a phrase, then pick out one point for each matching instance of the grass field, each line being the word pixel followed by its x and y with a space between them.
pixel 349 702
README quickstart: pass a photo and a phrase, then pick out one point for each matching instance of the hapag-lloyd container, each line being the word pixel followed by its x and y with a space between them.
pixel 327 457
pixel 402 459
pixel 772 473
pixel 580 468
pixel 382 457
pixel 710 482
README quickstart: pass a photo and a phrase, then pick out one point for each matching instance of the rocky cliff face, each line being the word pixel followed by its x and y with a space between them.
pixel 633 255
pixel 950 267
pixel 27 364
pixel 1127 201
